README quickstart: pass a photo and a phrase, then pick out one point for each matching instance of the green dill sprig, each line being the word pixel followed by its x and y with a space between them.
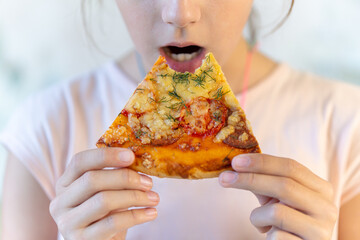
pixel 199 80
pixel 139 89
pixel 176 106
pixel 161 100
pixel 206 72
pixel 208 58
pixel 219 93
pixel 171 118
pixel 139 133
pixel 163 75
pixel 226 158
pixel 217 116
pixel 182 78
pixel 174 94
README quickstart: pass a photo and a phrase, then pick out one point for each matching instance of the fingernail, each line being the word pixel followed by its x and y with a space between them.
pixel 241 161
pixel 146 181
pixel 150 211
pixel 126 156
pixel 152 196
pixel 229 177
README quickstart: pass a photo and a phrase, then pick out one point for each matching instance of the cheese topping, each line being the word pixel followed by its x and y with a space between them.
pixel 164 93
pixel 226 131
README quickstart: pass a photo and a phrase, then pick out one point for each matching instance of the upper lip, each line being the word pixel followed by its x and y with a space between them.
pixel 179 44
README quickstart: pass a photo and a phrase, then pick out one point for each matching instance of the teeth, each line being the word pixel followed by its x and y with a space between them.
pixel 181 57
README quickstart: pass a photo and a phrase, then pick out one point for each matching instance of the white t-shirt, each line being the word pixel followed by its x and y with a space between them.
pixel 293 114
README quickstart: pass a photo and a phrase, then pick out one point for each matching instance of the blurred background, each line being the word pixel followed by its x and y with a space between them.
pixel 43 42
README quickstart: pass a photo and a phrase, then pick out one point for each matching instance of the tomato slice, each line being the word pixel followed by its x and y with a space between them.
pixel 203 117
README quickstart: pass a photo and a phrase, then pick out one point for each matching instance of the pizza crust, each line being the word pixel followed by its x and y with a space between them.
pixel 182 125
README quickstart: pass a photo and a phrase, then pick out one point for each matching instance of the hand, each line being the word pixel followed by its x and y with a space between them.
pixel 295 203
pixel 92 202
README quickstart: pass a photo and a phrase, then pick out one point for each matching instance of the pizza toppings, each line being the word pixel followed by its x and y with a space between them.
pixel 147 161
pixel 187 125
pixel 203 117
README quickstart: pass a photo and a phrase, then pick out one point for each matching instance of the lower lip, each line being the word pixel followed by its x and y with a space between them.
pixel 186 66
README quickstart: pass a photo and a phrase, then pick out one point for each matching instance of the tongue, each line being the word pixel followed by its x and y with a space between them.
pixel 186 66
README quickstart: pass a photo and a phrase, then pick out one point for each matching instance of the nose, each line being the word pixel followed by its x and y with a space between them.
pixel 181 13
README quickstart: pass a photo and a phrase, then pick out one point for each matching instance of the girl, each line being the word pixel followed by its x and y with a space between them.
pixel 305 186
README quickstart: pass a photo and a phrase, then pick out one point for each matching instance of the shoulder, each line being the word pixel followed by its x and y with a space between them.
pixel 77 107
pixel 80 93
pixel 311 90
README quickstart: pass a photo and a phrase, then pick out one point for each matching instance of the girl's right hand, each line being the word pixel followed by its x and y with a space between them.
pixel 92 202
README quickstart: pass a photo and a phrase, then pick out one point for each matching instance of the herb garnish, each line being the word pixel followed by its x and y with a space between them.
pixel 177 106
pixel 226 158
pixel 181 78
pixel 171 118
pixel 174 94
pixel 199 80
pixel 139 89
pixel 219 93
pixel 217 116
pixel 163 99
pixel 139 133
pixel 163 75
pixel 206 72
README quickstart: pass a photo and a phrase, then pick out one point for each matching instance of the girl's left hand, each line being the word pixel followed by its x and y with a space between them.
pixel 295 203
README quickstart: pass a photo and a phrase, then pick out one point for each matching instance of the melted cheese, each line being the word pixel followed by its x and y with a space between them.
pixel 164 92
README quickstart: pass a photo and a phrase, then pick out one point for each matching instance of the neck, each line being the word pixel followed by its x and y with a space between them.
pixel 233 69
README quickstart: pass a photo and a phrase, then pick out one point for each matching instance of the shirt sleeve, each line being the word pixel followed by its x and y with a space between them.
pixel 351 177
pixel 346 148
pixel 28 137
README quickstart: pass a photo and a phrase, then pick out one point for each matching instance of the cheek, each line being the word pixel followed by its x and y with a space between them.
pixel 229 22
pixel 139 19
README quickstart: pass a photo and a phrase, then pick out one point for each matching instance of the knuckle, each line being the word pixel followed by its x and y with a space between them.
pixel 250 178
pixel 104 154
pixel 103 201
pixel 278 214
pixel 333 213
pixel 288 186
pixel 134 218
pixel 126 176
pixel 76 162
pixel 136 196
pixel 89 180
pixel 329 190
pixel 63 226
pixel 107 154
pixel 323 233
pixel 292 167
pixel 53 208
pixel 111 222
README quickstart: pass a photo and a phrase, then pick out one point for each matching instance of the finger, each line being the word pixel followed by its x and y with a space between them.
pixel 109 226
pixel 96 159
pixel 263 199
pixel 93 182
pixel 285 189
pixel 285 167
pixel 103 203
pixel 286 219
pixel 277 234
pixel 264 229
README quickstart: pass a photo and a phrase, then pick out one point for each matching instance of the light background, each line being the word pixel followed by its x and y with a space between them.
pixel 43 42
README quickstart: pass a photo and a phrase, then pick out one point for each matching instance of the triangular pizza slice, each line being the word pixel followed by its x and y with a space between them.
pixel 182 125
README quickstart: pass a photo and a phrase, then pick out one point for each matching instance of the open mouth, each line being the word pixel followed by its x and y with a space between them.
pixel 183 59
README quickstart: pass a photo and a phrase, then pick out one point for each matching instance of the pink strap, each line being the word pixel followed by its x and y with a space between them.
pixel 249 57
